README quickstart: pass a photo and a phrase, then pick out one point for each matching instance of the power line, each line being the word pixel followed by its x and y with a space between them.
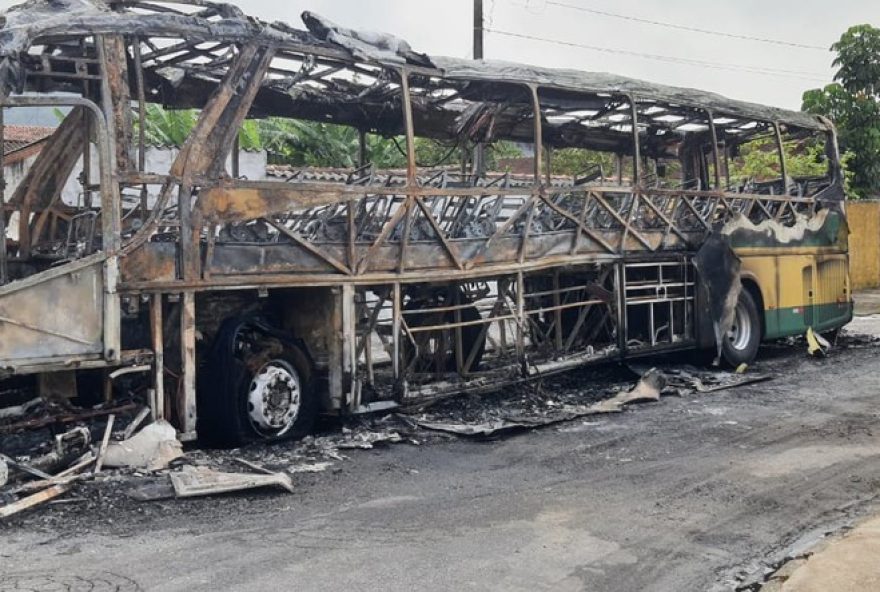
pixel 683 27
pixel 812 76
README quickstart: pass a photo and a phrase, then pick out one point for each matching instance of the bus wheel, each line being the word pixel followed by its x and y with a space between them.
pixel 274 398
pixel 257 388
pixel 744 337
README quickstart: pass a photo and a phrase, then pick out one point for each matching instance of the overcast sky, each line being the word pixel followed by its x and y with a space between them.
pixel 444 27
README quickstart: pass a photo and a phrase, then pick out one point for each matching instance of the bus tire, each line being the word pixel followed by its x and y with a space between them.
pixel 252 393
pixel 740 345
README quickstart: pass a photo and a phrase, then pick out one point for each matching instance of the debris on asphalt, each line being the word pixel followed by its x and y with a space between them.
pixel 677 380
pixel 817 346
pixel 684 379
pixel 24 468
pixel 153 448
pixel 479 429
pixel 144 462
pixel 365 440
pixel 253 466
pixel 851 339
pixel 648 388
pixel 69 475
pixel 33 500
pixel 65 449
pixel 318 467
pixel 151 490
pixel 200 481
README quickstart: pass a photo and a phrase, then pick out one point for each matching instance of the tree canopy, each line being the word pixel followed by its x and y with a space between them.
pixel 852 101
pixel 314 144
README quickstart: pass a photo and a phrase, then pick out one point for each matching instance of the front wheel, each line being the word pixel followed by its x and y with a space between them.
pixel 740 345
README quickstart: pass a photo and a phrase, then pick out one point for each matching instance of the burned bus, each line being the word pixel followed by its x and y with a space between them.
pixel 242 308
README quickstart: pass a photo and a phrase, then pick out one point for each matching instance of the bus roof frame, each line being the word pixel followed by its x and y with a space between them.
pixel 46 21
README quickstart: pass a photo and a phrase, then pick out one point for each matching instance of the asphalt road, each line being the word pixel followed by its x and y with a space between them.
pixel 685 494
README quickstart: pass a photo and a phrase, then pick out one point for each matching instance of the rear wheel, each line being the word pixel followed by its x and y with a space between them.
pixel 257 386
pixel 740 345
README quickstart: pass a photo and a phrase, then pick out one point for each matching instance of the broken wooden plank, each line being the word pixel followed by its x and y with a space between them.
pixel 77 467
pixel 69 475
pixel 103 449
pixel 135 423
pixel 34 500
pixel 751 379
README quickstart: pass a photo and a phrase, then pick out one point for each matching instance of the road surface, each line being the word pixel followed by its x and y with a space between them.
pixel 693 493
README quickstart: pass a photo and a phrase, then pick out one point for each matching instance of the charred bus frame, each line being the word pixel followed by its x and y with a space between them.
pixel 292 295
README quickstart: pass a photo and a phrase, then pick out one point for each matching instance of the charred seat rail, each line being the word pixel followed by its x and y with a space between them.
pixel 258 303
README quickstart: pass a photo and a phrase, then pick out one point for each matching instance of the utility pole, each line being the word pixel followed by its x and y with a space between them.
pixel 479 164
pixel 478 29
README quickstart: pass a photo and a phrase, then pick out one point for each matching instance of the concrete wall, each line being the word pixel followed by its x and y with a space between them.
pixel 863 217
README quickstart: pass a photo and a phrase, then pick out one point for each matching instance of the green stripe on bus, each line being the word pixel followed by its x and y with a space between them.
pixel 782 322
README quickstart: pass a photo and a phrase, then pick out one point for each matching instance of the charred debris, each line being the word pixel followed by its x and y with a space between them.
pixel 126 454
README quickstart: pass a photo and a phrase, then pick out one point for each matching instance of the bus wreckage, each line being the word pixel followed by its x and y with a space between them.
pixel 242 308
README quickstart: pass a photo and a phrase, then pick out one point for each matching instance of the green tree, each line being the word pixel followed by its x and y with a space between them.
pixel 853 103
pixel 168 127
pixel 759 159
pixel 315 144
pixel 572 161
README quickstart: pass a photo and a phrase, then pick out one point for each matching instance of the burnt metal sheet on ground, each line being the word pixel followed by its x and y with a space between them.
pixel 667 381
pixel 203 481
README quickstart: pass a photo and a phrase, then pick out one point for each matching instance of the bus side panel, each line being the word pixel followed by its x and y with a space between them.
pixel 56 315
pixel 793 309
pixel 801 291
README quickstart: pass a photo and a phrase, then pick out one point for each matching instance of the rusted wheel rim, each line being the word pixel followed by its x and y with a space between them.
pixel 740 334
pixel 274 398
